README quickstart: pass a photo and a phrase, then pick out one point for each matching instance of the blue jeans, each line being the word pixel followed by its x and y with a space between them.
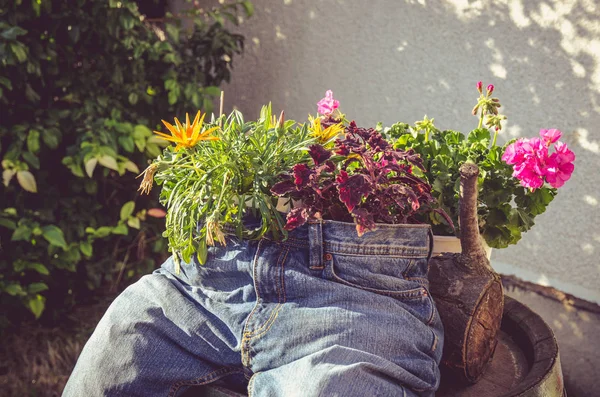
pixel 324 313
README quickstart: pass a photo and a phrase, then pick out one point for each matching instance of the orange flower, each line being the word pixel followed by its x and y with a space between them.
pixel 189 134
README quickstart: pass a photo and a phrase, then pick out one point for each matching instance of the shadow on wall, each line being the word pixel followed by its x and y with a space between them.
pixel 389 61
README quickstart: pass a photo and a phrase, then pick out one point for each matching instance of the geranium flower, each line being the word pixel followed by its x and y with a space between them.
pixel 533 166
pixel 324 135
pixel 560 165
pixel 327 105
pixel 189 134
pixel 550 136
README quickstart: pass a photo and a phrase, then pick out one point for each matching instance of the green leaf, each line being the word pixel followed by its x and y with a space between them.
pixel 248 7
pixel 86 248
pixel 213 91
pixel 54 235
pixel 31 159
pixel 132 167
pixel 13 32
pixel 21 233
pixel 121 229
pixel 127 210
pixel 152 149
pixel 479 135
pixel 6 82
pixel 31 94
pixel 133 98
pixel 173 32
pixel 7 223
pixel 13 289
pixel 36 305
pixel 33 141
pixel 19 265
pixel 127 143
pixel 51 137
pixel 27 181
pixel 109 162
pixel 7 175
pixel 90 166
pixel 172 97
pixel 102 231
pixel 134 222
pixel 34 288
pixel 38 267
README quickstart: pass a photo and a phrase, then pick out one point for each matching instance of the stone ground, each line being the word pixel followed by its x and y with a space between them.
pixel 576 325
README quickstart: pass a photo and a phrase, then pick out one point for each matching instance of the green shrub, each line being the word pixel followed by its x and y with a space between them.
pixel 80 81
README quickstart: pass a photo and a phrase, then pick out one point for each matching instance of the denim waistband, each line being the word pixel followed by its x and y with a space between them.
pixel 342 238
pixel 402 240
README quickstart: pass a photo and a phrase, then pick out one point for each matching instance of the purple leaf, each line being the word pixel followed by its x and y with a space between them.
pixel 364 221
pixel 295 218
pixel 319 154
pixel 283 187
pixel 352 189
pixel 301 174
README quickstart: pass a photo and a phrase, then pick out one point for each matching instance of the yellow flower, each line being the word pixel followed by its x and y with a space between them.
pixel 187 135
pixel 324 135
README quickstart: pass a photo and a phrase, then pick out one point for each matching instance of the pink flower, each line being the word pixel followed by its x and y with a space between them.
pixel 528 176
pixel 327 105
pixel 560 165
pixel 490 89
pixel 514 153
pixel 550 136
pixel 566 155
pixel 533 166
pixel 479 86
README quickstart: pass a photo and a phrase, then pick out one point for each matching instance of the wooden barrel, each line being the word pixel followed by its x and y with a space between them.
pixel 525 363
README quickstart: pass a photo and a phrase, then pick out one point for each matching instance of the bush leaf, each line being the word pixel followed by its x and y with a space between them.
pixel 127 210
pixel 36 305
pixel 27 181
pixel 34 288
pixel 41 269
pixel 109 162
pixel 54 235
pixel 90 165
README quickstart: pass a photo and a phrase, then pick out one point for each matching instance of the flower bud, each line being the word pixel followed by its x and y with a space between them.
pixel 479 86
pixel 490 89
pixel 475 109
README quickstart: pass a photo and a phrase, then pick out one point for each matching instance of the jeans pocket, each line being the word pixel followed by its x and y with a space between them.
pixel 382 275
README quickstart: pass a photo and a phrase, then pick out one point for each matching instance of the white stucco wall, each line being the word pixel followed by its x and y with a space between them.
pixel 398 60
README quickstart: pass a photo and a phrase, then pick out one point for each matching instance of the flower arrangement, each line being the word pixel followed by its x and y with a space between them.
pixel 220 171
pixel 361 179
pixel 330 168
pixel 516 181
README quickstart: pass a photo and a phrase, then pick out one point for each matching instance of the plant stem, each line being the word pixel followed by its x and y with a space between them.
pixel 480 120
pixel 495 136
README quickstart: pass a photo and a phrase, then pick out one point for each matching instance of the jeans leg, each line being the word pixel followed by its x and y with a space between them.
pixel 154 340
pixel 335 371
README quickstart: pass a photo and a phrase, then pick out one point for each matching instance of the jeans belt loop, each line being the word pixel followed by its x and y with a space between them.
pixel 430 236
pixel 315 244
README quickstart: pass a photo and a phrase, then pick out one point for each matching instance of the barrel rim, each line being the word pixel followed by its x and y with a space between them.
pixel 528 329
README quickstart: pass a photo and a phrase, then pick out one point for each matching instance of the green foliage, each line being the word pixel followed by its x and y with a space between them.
pixel 505 208
pixel 79 83
pixel 208 182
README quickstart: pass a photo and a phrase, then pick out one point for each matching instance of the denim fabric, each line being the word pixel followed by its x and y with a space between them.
pixel 324 313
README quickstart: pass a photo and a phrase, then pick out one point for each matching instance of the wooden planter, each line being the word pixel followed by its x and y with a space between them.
pixel 526 362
